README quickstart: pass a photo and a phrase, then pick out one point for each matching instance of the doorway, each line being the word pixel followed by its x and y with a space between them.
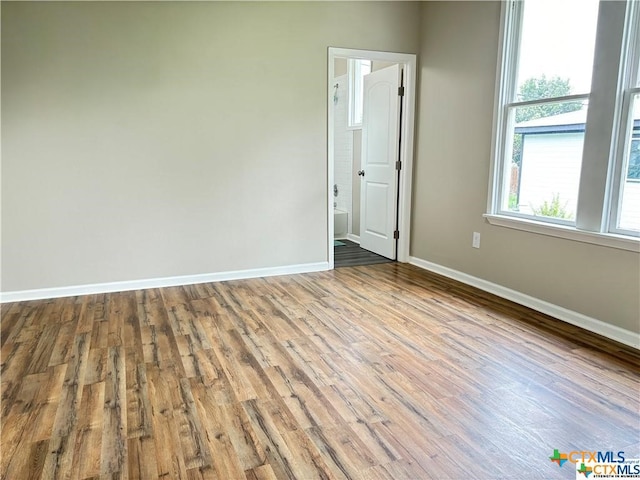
pixel 383 205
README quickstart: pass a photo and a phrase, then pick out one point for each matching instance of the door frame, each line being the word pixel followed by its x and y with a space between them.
pixel 409 64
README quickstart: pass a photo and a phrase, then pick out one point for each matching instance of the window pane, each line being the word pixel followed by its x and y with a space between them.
pixel 543 176
pixel 359 68
pixel 556 48
pixel 629 217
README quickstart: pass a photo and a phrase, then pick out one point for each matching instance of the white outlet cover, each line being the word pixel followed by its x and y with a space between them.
pixel 476 240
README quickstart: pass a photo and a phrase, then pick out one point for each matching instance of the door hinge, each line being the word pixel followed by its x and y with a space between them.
pixel 398 165
pixel 401 91
pixel 396 234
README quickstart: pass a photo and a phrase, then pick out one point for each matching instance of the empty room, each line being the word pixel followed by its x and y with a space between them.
pixel 278 240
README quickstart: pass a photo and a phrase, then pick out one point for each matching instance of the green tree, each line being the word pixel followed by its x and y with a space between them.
pixel 543 87
pixel 538 88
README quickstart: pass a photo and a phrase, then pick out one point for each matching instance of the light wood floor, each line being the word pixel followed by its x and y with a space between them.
pixel 380 372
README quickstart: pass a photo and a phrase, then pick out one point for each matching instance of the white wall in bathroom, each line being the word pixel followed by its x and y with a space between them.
pixel 343 154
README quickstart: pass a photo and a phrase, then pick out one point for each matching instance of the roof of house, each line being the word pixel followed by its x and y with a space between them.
pixel 561 123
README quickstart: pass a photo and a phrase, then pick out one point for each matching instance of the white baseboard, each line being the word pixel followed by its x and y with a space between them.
pixel 353 238
pixel 45 293
pixel 613 332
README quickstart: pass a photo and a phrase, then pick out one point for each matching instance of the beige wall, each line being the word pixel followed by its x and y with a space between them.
pixel 125 152
pixel 457 81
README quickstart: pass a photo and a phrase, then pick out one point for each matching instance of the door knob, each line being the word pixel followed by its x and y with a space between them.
pixel 361 173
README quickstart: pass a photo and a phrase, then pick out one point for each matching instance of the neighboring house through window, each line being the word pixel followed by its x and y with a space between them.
pixel 551 155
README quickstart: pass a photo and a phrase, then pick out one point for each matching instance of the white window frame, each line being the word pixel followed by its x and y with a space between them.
pixel 356 93
pixel 630 87
pixel 602 133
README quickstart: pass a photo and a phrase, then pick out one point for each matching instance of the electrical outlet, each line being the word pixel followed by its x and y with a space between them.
pixel 476 240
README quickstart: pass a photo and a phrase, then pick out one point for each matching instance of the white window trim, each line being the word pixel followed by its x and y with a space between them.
pixel 611 240
pixel 629 86
pixel 511 107
pixel 586 229
pixel 619 176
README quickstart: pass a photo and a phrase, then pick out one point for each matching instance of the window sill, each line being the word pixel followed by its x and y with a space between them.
pixel 570 233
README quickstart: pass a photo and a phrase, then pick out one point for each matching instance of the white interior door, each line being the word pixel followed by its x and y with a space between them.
pixel 380 141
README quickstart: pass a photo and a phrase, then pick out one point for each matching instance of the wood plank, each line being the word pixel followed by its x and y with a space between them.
pixel 228 435
pixel 169 456
pixel 114 429
pixel 31 465
pixel 45 405
pixel 141 459
pixel 195 451
pixel 33 422
pixel 43 350
pixel 96 366
pixel 13 320
pixel 138 404
pixel 64 342
pixel 87 451
pixel 16 358
pixel 58 462
pixel 275 446
pixel 263 472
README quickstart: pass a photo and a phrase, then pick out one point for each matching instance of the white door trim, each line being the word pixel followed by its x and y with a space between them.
pixel 409 64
